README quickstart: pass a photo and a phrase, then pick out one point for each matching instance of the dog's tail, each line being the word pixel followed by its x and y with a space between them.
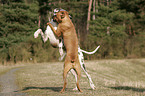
pixel 90 52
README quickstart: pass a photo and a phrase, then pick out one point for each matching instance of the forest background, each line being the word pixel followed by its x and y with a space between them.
pixel 118 26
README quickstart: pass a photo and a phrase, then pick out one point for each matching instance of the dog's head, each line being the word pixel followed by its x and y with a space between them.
pixel 60 15
pixel 54 18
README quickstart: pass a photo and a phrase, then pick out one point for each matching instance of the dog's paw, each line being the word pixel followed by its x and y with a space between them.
pixel 81 91
pixel 62 91
pixel 93 86
pixel 37 33
pixel 75 88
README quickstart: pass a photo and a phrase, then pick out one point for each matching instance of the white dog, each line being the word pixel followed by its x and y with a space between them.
pixel 58 42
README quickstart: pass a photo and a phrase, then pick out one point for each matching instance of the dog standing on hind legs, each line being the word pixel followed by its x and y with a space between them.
pixel 67 30
pixel 56 43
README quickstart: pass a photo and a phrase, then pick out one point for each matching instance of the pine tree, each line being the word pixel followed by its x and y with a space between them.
pixel 18 21
pixel 118 27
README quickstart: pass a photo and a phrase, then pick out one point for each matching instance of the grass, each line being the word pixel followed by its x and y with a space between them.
pixel 4 69
pixel 124 77
pixel 111 77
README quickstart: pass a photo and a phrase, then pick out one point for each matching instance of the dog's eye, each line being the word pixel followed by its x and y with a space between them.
pixel 62 13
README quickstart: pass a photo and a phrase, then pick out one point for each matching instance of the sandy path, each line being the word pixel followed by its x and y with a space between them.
pixel 8 85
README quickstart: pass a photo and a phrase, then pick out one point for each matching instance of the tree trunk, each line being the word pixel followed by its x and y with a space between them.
pixel 97 6
pixel 103 2
pixel 89 10
pixel 107 2
pixel 39 22
pixel 108 30
pixel 110 2
pixel 129 30
pixel 94 9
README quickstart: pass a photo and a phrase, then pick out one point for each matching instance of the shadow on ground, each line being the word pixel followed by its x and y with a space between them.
pixel 128 88
pixel 56 89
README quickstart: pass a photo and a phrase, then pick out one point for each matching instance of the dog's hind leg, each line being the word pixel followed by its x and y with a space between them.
pixel 81 60
pixel 75 75
pixel 89 77
pixel 78 71
pixel 67 67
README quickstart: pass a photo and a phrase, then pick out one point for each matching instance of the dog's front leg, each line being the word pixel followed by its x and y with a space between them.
pixel 61 51
pixel 61 48
pixel 57 32
pixel 39 31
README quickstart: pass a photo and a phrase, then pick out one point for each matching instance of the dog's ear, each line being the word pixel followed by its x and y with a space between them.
pixel 54 18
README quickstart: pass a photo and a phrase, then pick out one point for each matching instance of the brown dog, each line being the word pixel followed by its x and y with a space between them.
pixel 67 30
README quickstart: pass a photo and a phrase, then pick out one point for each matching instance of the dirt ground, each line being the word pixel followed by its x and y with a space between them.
pixel 8 84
